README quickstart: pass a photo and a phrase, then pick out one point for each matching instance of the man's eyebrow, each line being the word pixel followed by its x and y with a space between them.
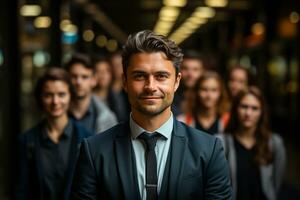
pixel 163 72
pixel 143 72
pixel 138 72
pixel 166 72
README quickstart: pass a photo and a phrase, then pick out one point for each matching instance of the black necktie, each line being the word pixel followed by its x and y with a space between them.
pixel 151 165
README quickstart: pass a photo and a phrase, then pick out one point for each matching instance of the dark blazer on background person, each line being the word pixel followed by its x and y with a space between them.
pixel 197 167
pixel 30 171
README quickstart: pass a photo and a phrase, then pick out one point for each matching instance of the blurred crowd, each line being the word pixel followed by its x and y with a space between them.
pixel 86 97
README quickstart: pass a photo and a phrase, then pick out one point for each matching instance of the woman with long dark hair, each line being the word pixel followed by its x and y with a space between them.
pixel 256 155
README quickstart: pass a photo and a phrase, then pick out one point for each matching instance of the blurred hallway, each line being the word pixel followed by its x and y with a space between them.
pixel 261 35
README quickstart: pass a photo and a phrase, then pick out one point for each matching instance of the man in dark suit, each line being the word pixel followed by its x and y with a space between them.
pixel 153 156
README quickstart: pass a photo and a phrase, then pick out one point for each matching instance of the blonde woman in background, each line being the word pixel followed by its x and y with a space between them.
pixel 209 106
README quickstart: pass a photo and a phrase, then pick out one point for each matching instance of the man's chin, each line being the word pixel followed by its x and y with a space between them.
pixel 151 111
pixel 81 97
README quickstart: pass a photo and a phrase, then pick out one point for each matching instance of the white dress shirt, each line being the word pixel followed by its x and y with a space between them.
pixel 161 150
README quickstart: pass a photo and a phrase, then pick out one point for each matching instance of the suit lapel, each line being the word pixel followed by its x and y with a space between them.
pixel 178 150
pixel 125 165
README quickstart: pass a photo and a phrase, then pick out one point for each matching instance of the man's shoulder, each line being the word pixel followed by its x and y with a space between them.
pixel 99 105
pixel 106 138
pixel 196 138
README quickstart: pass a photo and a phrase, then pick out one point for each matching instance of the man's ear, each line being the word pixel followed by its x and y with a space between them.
pixel 177 81
pixel 124 82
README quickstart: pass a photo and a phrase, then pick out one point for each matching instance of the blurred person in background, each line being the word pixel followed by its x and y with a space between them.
pixel 256 155
pixel 208 108
pixel 117 69
pixel 191 70
pixel 103 76
pixel 103 89
pixel 238 80
pixel 86 109
pixel 48 151
pixel 122 106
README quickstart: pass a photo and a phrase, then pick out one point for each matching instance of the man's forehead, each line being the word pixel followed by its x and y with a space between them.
pixel 78 67
pixel 192 61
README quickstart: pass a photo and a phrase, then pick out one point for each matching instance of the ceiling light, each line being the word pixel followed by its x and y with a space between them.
pixel 175 3
pixel 169 12
pixel 258 28
pixel 112 45
pixel 70 28
pixel 294 17
pixel 42 22
pixel 204 12
pixel 196 20
pixel 64 23
pixel 30 10
pixel 216 3
pixel 101 40
pixel 88 35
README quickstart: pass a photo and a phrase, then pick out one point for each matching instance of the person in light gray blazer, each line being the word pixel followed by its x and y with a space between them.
pixel 255 155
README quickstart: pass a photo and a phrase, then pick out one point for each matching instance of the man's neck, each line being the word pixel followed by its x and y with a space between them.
pixel 55 127
pixel 102 93
pixel 151 123
pixel 80 106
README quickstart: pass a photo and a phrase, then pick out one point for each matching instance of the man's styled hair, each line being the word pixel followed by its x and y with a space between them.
pixel 52 74
pixel 147 41
pixel 79 58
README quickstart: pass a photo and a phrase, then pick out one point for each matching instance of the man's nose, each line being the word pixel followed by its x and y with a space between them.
pixel 77 80
pixel 150 84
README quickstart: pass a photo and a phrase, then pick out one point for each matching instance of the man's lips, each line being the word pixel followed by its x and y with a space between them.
pixel 150 97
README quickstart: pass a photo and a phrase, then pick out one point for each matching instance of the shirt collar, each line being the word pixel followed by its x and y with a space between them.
pixel 90 110
pixel 165 129
pixel 66 133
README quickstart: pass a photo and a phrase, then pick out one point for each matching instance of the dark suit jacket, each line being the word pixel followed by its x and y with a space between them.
pixel 29 170
pixel 198 168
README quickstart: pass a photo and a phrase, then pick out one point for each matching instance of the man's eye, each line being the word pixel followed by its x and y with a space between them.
pixel 62 94
pixel 139 76
pixel 162 76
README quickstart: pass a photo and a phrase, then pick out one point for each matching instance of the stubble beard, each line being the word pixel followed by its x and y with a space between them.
pixel 153 112
pixel 81 97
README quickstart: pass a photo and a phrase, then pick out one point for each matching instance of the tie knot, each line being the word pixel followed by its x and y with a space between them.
pixel 150 139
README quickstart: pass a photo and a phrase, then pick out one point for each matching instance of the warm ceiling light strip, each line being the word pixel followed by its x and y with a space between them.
pixel 216 3
pixel 168 16
pixel 30 10
pixel 191 24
